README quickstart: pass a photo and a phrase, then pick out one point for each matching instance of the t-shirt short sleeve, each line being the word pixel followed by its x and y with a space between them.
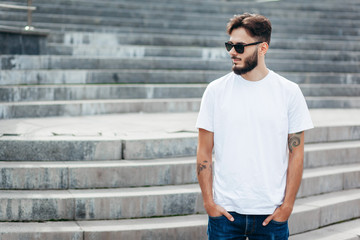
pixel 298 113
pixel 205 118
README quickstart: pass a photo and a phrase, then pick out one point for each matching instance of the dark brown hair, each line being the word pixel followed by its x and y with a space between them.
pixel 256 25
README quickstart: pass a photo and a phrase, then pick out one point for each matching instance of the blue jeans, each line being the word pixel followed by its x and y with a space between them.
pixel 246 226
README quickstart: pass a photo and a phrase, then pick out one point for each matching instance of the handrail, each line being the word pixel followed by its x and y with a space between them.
pixel 29 8
pixel 4 5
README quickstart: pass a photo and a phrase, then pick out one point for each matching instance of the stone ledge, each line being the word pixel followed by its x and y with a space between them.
pixel 36 31
pixel 20 41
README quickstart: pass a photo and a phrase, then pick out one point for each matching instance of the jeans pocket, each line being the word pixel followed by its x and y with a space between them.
pixel 216 217
pixel 279 223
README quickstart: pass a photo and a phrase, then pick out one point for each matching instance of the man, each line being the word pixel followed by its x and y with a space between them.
pixel 255 120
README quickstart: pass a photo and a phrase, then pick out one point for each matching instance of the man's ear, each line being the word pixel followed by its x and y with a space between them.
pixel 264 46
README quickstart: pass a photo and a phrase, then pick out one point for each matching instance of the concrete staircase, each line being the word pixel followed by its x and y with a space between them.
pixel 71 171
pixel 52 179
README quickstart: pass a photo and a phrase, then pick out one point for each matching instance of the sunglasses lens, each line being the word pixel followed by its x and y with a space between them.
pixel 228 46
pixel 239 48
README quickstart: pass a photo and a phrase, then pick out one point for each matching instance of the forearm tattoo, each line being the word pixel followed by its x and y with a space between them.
pixel 204 165
pixel 294 140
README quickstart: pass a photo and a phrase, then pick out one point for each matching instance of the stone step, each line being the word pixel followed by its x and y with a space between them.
pixel 120 21
pixel 309 214
pixel 36 109
pixel 105 106
pixel 148 91
pixel 330 154
pixel 57 30
pixel 138 173
pixel 180 228
pixel 43 230
pixel 329 179
pixel 333 102
pixel 144 14
pixel 116 91
pixel 349 230
pixel 317 211
pixel 120 203
pixel 165 39
pixel 314 158
pixel 78 76
pixel 26 77
pixel 153 136
pixel 330 89
pixel 127 51
pixel 62 148
pixel 100 203
pixel 83 63
pixel 168 63
pixel 97 174
pixel 214 6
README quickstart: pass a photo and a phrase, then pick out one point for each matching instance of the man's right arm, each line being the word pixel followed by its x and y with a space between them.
pixel 205 174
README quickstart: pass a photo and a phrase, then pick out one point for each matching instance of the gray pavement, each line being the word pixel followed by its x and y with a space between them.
pixel 144 125
pixel 344 231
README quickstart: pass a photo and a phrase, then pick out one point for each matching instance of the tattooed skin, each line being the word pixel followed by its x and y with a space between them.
pixel 202 166
pixel 294 140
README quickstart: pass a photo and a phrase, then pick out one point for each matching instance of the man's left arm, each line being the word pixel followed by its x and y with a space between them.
pixel 294 176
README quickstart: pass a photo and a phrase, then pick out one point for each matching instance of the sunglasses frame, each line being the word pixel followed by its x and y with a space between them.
pixel 236 46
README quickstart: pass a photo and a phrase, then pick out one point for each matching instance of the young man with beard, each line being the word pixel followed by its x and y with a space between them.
pixel 255 120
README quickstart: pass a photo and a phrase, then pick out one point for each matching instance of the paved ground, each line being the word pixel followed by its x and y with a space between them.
pixel 145 125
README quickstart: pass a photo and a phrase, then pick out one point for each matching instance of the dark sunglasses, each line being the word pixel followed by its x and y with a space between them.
pixel 239 48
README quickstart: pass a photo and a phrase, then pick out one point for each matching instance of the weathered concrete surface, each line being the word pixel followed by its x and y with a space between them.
pixel 147 124
pixel 96 107
pixel 115 106
pixel 304 218
pixel 132 173
pixel 146 91
pixel 33 175
pixel 335 207
pixel 205 53
pixel 181 228
pixel 104 91
pixel 145 136
pixel 343 231
pixel 137 173
pixel 18 41
pixel 329 179
pixel 309 214
pixel 100 203
pixel 79 76
pixel 36 206
pixel 96 174
pixel 41 231
pixel 156 144
pixel 173 63
pixel 137 202
pixel 328 154
pixel 59 149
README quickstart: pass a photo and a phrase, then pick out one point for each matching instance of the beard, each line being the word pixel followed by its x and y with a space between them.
pixel 249 64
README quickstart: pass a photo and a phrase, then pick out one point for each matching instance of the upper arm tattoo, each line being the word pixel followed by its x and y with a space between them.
pixel 294 140
pixel 204 165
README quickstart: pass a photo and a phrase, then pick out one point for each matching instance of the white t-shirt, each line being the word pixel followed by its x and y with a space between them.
pixel 251 122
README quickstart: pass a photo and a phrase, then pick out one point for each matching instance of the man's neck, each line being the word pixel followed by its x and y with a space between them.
pixel 256 74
